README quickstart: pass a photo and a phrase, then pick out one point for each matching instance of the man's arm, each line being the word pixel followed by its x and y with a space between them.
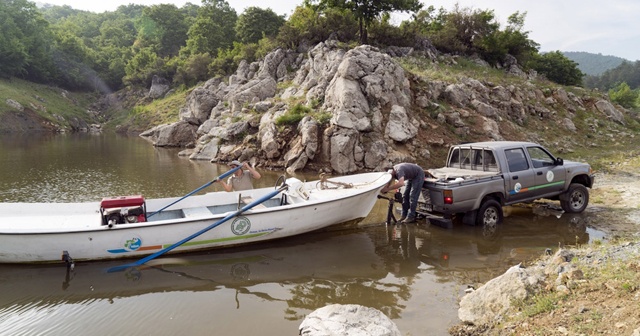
pixel 254 173
pixel 227 187
pixel 396 185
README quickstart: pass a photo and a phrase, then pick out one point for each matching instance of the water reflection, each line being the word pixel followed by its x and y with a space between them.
pixel 314 272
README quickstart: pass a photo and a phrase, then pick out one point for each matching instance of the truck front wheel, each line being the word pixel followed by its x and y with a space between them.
pixel 489 215
pixel 575 199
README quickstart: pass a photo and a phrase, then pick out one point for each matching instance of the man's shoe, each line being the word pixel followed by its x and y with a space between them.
pixel 402 219
pixel 409 220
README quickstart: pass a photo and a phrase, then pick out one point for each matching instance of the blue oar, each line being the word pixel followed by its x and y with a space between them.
pixel 226 218
pixel 195 191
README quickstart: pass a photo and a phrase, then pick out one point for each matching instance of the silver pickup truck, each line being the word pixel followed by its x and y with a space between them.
pixel 481 177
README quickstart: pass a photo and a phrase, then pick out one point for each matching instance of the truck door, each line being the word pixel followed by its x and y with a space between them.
pixel 549 177
pixel 520 177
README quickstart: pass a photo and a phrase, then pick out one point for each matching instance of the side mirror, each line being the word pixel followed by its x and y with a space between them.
pixel 559 162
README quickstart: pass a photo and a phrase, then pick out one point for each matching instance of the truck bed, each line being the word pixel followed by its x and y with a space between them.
pixel 449 173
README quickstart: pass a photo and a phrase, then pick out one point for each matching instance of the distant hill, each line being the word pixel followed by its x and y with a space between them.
pixel 593 64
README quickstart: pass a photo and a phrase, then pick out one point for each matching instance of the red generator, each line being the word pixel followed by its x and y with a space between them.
pixel 123 210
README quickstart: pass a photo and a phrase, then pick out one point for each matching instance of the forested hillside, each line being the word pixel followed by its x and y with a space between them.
pixel 593 64
pixel 108 51
pixel 124 50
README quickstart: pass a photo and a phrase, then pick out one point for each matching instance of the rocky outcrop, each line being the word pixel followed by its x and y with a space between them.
pixel 14 104
pixel 610 111
pixel 159 86
pixel 362 111
pixel 180 134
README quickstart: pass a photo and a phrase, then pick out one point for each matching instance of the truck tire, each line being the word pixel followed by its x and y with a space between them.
pixel 575 199
pixel 489 215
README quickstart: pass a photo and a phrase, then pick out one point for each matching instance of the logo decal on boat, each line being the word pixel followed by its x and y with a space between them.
pixel 133 243
pixel 240 226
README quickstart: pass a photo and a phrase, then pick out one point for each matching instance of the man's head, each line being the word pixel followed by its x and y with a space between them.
pixel 235 163
pixel 391 171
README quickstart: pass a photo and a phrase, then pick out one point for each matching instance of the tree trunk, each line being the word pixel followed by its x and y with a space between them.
pixel 363 32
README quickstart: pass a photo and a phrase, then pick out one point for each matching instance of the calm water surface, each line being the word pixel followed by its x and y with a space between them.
pixel 415 274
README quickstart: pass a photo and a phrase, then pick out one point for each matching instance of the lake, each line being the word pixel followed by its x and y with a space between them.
pixel 415 274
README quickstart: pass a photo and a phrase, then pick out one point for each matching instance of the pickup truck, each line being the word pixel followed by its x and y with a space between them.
pixel 481 177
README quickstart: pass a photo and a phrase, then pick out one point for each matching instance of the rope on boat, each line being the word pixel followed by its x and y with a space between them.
pixel 324 183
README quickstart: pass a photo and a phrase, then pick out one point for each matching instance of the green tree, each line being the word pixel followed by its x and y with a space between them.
pixel 192 69
pixel 25 41
pixel 256 23
pixel 309 25
pixel 627 72
pixel 169 29
pixel 142 66
pixel 512 40
pixel 213 29
pixel 113 50
pixel 366 11
pixel 14 55
pixel 623 95
pixel 462 30
pixel 557 68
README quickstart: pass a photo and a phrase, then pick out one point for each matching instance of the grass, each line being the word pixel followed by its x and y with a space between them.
pixel 46 100
pixel 293 115
pixel 607 293
pixel 538 304
pixel 453 73
pixel 160 111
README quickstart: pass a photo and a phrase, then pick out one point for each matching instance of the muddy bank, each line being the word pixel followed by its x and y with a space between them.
pixel 599 293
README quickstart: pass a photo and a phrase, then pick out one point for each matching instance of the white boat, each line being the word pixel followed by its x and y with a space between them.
pixel 131 227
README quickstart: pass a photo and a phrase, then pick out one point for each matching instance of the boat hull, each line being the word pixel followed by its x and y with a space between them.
pixel 82 235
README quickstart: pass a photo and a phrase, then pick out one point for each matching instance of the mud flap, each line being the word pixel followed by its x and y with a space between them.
pixel 469 218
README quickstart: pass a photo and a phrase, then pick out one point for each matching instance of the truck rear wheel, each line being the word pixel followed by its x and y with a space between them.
pixel 575 199
pixel 489 215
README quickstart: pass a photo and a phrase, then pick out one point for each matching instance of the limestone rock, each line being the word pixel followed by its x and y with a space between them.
pixel 159 86
pixel 348 319
pixel 490 302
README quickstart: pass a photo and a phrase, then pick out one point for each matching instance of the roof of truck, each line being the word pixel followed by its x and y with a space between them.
pixel 497 144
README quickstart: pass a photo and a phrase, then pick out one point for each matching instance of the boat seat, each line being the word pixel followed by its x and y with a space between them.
pixel 246 200
pixel 196 212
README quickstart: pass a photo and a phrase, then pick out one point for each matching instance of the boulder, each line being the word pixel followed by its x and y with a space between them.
pixel 399 128
pixel 610 111
pixel 159 86
pixel 179 134
pixel 198 105
pixel 350 319
pixel 489 303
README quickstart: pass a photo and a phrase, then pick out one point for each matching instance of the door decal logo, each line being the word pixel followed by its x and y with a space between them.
pixel 549 176
pixel 517 187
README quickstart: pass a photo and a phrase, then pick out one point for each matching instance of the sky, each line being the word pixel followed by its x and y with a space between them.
pixel 602 27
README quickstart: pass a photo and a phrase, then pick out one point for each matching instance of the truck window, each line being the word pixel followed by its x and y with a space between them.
pixel 460 158
pixel 539 157
pixel 454 159
pixel 516 159
pixel 485 160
